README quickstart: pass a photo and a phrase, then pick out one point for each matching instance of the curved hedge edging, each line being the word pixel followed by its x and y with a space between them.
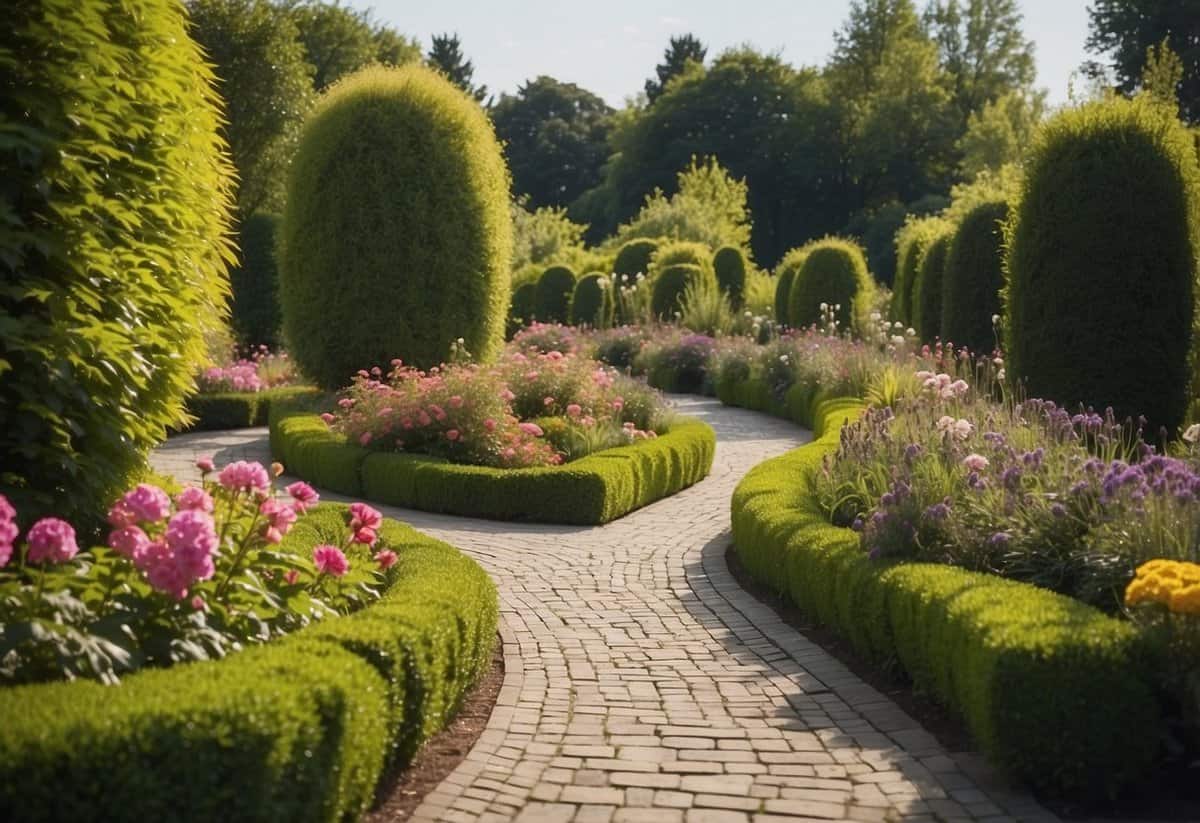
pixel 590 491
pixel 214 411
pixel 299 729
pixel 1027 669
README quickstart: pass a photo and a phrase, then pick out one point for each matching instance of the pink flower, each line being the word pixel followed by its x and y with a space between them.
pixel 128 541
pixel 975 462
pixel 456 402
pixel 328 418
pixel 121 515
pixel 618 404
pixel 192 539
pixel 437 411
pixel 386 559
pixel 547 401
pixel 245 477
pixel 198 603
pixel 51 540
pixel 365 535
pixel 532 429
pixel 280 518
pixel 507 396
pixel 574 410
pixel 194 497
pixel 149 504
pixel 291 576
pixel 423 419
pixel 364 438
pixel 8 530
pixel 489 424
pixel 362 515
pixel 330 560
pixel 452 435
pixel 303 495
pixel 205 464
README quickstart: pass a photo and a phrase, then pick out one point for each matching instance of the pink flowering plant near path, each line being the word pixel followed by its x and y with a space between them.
pixel 189 577
pixel 257 370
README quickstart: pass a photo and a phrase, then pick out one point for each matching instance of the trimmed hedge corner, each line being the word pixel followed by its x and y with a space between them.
pixel 299 729
pixel 1024 667
pixel 589 491
pixel 241 410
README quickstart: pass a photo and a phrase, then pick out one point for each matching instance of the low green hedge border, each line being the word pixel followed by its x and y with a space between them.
pixel 241 410
pixel 592 490
pixel 1051 689
pixel 299 729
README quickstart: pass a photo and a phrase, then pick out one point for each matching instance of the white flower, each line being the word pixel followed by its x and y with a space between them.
pixel 897 339
pixel 975 462
pixel 1000 375
pixel 945 423
pixel 963 429
pixel 876 316
pixel 995 320
pixel 462 342
pixel 1193 433
pixel 824 307
pixel 897 325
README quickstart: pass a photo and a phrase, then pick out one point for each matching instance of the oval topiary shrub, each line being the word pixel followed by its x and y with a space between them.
pixel 524 299
pixel 785 274
pixel 591 302
pixel 834 272
pixel 1107 223
pixel 116 240
pixel 911 242
pixel 680 251
pixel 254 310
pixel 729 264
pixel 552 301
pixel 973 277
pixel 397 236
pixel 927 289
pixel 668 287
pixel 634 257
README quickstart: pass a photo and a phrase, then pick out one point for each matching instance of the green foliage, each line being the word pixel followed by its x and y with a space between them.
pixel 834 272
pixel 729 264
pixel 544 236
pixel 1108 218
pixel 998 133
pixel 339 40
pixel 591 302
pixel 445 55
pixel 266 84
pixel 682 51
pixel 785 277
pixel 680 251
pixel 398 198
pixel 552 300
pixel 974 276
pixel 709 207
pixel 668 287
pixel 634 257
pixel 115 244
pixel 240 410
pixel 927 289
pixel 524 305
pixel 254 310
pixel 1024 667
pixel 877 232
pixel 299 729
pixel 912 240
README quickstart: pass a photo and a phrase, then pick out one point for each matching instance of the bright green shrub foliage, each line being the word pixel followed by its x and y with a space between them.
pixel 674 252
pixel 239 410
pixel 114 246
pixel 834 272
pixel 254 310
pixel 927 288
pixel 592 490
pixel 729 264
pixel 1102 251
pixel 591 302
pixel 1026 668
pixel 973 277
pixel 552 300
pixel 911 242
pixel 298 730
pixel 524 299
pixel 634 257
pixel 785 274
pixel 668 287
pixel 396 239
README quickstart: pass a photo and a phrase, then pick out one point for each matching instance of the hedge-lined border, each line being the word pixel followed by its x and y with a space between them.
pixel 1052 690
pixel 299 729
pixel 242 410
pixel 590 491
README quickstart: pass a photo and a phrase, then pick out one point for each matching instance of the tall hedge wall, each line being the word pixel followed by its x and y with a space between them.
pixel 254 310
pixel 834 272
pixel 1101 268
pixel 552 300
pixel 927 289
pixel 115 242
pixel 397 238
pixel 974 276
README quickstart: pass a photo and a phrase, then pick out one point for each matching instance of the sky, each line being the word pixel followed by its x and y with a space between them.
pixel 610 47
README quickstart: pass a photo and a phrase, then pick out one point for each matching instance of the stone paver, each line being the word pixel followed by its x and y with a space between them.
pixel 642 683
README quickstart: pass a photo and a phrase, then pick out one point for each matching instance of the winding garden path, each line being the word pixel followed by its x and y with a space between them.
pixel 643 684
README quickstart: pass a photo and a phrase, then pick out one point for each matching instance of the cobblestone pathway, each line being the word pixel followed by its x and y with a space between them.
pixel 642 684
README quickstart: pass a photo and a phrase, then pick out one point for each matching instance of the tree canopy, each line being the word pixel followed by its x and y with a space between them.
pixel 447 56
pixel 681 51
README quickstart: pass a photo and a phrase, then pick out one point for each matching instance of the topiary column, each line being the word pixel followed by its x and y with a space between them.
pixel 1101 270
pixel 729 264
pixel 552 301
pixel 117 202
pixel 785 275
pixel 835 273
pixel 927 289
pixel 973 277
pixel 911 243
pixel 396 239
pixel 669 285
pixel 591 302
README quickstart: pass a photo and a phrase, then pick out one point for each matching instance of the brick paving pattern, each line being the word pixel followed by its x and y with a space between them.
pixel 643 684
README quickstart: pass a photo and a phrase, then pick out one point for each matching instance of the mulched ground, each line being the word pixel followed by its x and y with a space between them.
pixel 401 793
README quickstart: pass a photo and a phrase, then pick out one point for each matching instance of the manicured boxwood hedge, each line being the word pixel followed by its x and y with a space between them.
pixel 240 410
pixel 1051 689
pixel 589 491
pixel 299 729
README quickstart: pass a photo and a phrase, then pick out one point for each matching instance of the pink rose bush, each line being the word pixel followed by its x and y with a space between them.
pixel 255 371
pixel 178 578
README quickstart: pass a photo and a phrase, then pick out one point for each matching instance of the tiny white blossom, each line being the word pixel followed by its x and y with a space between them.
pixel 1193 433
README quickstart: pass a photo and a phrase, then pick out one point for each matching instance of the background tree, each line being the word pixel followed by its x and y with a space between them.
pixel 1124 31
pixel 265 82
pixel 556 139
pixel 682 50
pixel 999 132
pixel 446 55
pixel 339 40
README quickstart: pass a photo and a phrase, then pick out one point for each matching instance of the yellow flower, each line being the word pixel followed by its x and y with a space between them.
pixel 1186 600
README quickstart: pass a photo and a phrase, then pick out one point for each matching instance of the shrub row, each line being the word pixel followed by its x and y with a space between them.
pixel 240 410
pixel 1027 669
pixel 589 491
pixel 299 729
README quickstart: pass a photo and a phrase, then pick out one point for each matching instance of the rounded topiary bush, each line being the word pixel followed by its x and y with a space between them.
pixel 254 310
pixel 911 242
pixel 591 302
pixel 729 264
pixel 552 301
pixel 669 284
pixel 927 289
pixel 397 238
pixel 680 251
pixel 521 310
pixel 785 275
pixel 1101 268
pixel 835 273
pixel 634 257
pixel 117 205
pixel 973 277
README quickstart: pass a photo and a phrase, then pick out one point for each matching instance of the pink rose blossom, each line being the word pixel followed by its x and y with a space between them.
pixel 8 530
pixel 245 477
pixel 507 396
pixel 364 438
pixel 303 495
pixel 362 515
pixel 194 497
pixel 574 410
pixel 198 603
pixel 51 540
pixel 547 401
pixel 205 464
pixel 456 402
pixel 532 429
pixel 128 541
pixel 330 560
pixel 192 539
pixel 386 559
pixel 452 435
pixel 423 419
pixel 975 462
pixel 149 504
pixel 328 418
pixel 280 518
pixel 489 424
pixel 291 576
pixel 366 535
pixel 121 515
